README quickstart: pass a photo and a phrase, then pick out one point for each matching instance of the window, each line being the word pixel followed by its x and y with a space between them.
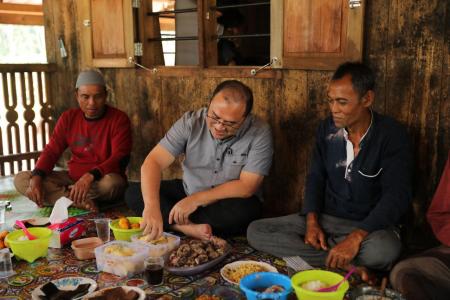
pixel 235 32
pixel 22 32
pixel 25 117
pixel 302 34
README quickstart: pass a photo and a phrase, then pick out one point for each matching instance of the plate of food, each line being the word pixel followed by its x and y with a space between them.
pixel 195 256
pixel 235 271
pixel 65 288
pixel 121 292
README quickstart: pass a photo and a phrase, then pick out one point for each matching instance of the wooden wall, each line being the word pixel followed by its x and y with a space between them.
pixel 406 42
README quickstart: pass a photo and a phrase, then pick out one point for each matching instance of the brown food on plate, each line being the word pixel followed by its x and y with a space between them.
pixel 196 252
pixel 208 297
pixel 51 292
pixel 117 293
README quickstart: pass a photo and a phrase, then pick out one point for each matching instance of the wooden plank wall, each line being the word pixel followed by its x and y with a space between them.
pixel 406 42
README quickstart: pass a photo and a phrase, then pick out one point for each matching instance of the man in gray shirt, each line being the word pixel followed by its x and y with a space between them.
pixel 227 152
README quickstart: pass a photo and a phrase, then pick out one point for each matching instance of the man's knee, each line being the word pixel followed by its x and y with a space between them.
pixel 255 231
pixel 22 181
pixel 111 186
pixel 133 197
pixel 399 271
pixel 380 250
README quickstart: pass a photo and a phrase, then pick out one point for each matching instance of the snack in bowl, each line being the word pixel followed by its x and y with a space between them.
pixel 119 250
pixel 124 228
pixel 121 258
pixel 160 246
pixel 235 271
pixel 314 285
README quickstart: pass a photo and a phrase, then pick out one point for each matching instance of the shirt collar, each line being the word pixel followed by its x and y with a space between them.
pixel 365 134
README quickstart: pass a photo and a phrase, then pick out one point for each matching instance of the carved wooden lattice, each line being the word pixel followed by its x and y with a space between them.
pixel 25 115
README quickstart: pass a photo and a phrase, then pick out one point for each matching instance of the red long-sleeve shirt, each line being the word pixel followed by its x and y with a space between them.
pixel 439 211
pixel 103 144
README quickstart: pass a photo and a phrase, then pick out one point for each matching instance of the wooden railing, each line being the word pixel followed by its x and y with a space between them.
pixel 25 115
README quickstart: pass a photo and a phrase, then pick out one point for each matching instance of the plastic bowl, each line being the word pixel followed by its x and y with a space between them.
pixel 84 248
pixel 124 234
pixel 29 250
pixel 252 283
pixel 330 278
pixel 159 249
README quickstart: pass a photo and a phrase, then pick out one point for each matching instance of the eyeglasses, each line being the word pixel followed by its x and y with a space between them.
pixel 225 124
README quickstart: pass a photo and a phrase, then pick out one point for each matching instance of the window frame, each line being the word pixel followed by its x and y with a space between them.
pixel 21 14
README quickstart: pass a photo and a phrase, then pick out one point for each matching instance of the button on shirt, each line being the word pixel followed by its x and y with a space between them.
pixel 374 187
pixel 210 162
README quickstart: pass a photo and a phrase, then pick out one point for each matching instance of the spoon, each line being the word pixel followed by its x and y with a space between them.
pixel 25 230
pixel 334 288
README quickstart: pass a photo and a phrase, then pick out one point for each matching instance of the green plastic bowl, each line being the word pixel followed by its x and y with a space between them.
pixel 330 278
pixel 124 234
pixel 30 250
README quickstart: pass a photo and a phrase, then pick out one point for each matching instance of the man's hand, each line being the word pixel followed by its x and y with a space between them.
pixel 343 253
pixel 35 192
pixel 314 234
pixel 180 212
pixel 79 190
pixel 152 222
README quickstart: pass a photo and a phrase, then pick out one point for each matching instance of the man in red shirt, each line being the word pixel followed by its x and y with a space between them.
pixel 427 275
pixel 99 138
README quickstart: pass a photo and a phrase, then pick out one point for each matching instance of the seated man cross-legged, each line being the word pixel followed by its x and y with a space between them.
pixel 427 275
pixel 357 189
pixel 99 138
pixel 227 152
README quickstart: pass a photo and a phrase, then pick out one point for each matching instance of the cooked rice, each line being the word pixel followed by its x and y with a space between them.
pixel 236 274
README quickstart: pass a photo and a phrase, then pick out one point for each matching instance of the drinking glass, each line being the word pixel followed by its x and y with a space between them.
pixel 102 226
pixel 154 270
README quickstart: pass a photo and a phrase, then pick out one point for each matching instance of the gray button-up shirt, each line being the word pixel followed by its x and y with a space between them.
pixel 209 162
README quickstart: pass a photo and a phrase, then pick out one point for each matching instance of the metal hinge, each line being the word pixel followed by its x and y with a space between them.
pixel 136 3
pixel 354 3
pixel 138 51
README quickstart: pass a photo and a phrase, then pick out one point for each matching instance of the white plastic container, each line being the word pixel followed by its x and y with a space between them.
pixel 121 258
pixel 158 247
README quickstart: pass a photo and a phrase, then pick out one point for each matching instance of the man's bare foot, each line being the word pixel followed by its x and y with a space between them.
pixel 199 231
pixel 364 273
pixel 87 204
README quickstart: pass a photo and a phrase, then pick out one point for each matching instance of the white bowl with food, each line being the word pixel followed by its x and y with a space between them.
pixel 235 271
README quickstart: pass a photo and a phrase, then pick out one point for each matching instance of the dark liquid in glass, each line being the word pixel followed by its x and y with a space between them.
pixel 153 274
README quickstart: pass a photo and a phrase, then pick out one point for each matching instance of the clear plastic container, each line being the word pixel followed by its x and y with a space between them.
pixel 121 258
pixel 159 247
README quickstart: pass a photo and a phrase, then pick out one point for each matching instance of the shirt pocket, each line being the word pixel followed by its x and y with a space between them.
pixel 370 174
pixel 369 184
pixel 232 166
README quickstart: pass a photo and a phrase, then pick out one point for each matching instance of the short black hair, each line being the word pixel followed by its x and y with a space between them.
pixel 230 18
pixel 363 78
pixel 239 87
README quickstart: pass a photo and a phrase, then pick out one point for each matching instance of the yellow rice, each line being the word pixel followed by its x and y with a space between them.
pixel 236 274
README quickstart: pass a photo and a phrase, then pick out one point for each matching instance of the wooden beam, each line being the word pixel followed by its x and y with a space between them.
pixel 27 68
pixel 21 14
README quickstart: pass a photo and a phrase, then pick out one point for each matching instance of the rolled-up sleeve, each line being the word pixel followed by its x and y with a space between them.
pixel 261 152
pixel 176 138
